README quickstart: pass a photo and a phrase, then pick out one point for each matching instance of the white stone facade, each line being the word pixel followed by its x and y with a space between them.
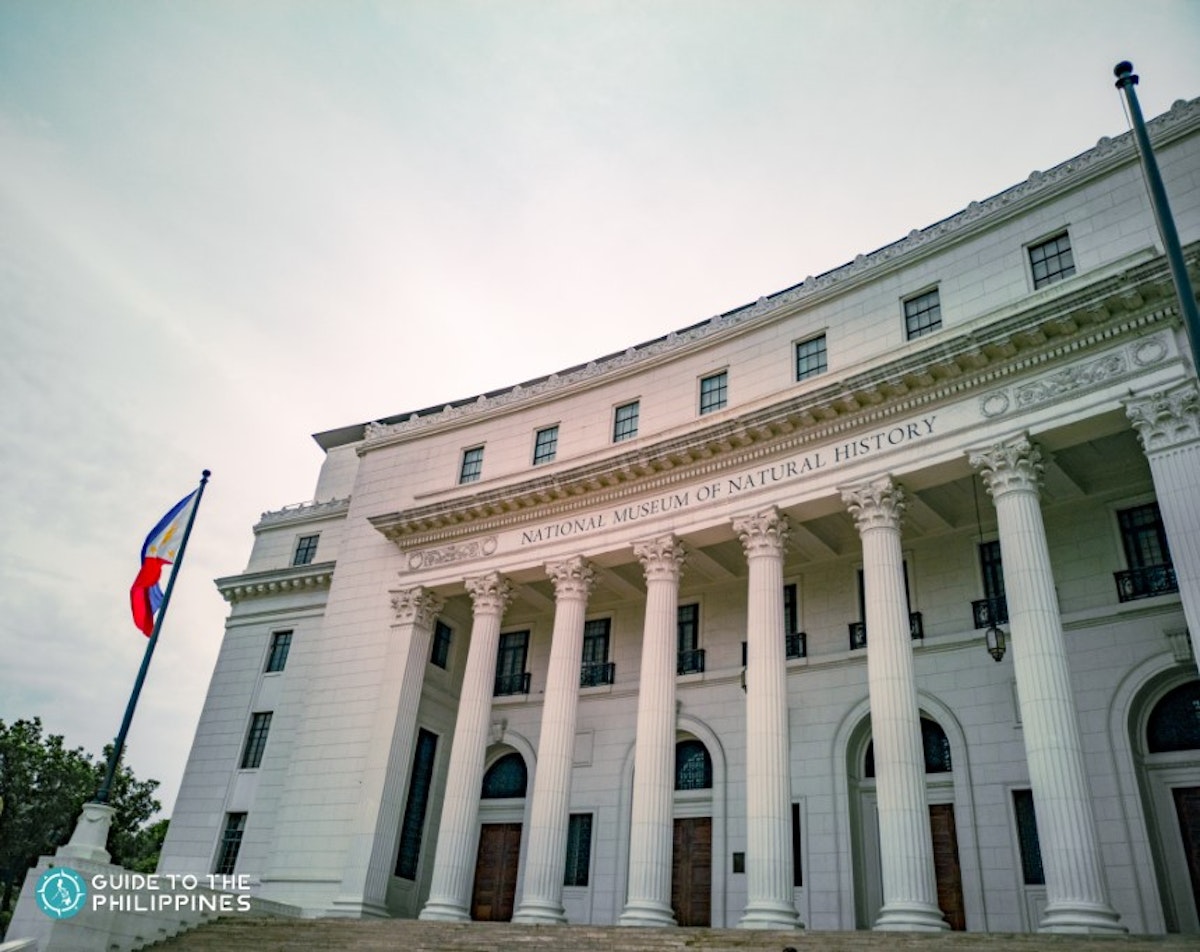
pixel 674 571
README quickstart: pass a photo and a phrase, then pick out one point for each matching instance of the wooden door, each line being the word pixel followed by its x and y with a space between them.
pixel 1187 808
pixel 945 865
pixel 496 872
pixel 691 871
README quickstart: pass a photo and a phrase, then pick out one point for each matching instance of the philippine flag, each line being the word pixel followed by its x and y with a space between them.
pixel 160 548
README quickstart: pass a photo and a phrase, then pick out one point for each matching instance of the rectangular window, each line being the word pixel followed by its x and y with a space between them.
pixel 714 392
pixel 625 421
pixel 1143 536
pixel 993 608
pixel 281 644
pixel 797 871
pixel 256 740
pixel 1051 260
pixel 472 465
pixel 922 314
pixel 439 653
pixel 306 548
pixel 791 609
pixel 412 830
pixel 231 842
pixel 811 358
pixel 596 669
pixel 579 849
pixel 511 677
pixel 691 655
pixel 1027 838
pixel 545 445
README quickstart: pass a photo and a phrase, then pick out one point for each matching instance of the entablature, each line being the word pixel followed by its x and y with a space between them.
pixel 236 588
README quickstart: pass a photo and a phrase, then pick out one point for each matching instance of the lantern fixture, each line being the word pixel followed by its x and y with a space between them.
pixel 994 639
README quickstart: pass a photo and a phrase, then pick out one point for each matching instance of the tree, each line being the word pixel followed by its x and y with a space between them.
pixel 43 787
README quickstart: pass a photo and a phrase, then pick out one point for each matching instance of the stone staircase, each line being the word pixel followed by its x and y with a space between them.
pixel 253 934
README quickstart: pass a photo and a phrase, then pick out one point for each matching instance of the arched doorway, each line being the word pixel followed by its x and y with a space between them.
pixel 498 860
pixel 939 789
pixel 692 848
pixel 1166 729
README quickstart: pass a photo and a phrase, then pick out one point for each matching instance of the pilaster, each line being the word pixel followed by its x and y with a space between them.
pixel 1076 894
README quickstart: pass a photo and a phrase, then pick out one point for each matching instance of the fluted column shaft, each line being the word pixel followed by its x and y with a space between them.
pixel 1075 890
pixel 905 840
pixel 381 799
pixel 1168 423
pixel 541 901
pixel 770 896
pixel 454 862
pixel 652 826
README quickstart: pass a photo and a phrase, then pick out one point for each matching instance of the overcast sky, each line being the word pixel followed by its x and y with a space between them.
pixel 225 226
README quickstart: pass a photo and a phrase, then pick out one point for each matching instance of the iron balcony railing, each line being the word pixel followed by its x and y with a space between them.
pixel 795 646
pixel 987 612
pixel 690 662
pixel 858 630
pixel 595 673
pixel 511 684
pixel 1146 582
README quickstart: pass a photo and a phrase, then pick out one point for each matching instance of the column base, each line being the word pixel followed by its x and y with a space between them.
pixel 645 913
pixel 90 837
pixel 436 911
pixel 910 917
pixel 1081 918
pixel 770 915
pixel 540 912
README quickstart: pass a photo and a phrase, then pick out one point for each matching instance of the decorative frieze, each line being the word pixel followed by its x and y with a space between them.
pixel 416 606
pixel 1166 419
pixel 876 504
pixel 1008 466
pixel 455 552
pixel 764 533
pixel 661 558
pixel 572 578
pixel 490 593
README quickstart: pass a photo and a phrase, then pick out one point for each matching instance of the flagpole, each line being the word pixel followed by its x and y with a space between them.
pixel 114 758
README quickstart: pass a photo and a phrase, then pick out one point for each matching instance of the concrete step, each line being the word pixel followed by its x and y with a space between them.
pixel 251 934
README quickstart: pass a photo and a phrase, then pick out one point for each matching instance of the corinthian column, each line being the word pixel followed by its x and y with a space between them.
pixel 652 827
pixel 454 862
pixel 1168 423
pixel 905 841
pixel 1075 890
pixel 541 901
pixel 381 796
pixel 771 898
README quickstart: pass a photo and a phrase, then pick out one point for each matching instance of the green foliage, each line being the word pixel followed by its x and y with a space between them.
pixel 43 787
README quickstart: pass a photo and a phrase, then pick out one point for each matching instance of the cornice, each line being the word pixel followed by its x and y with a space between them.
pixel 1107 155
pixel 302 512
pixel 1129 301
pixel 236 588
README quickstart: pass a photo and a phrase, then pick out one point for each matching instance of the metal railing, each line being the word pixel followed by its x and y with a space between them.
pixel 987 612
pixel 595 673
pixel 1146 582
pixel 511 684
pixel 858 630
pixel 690 662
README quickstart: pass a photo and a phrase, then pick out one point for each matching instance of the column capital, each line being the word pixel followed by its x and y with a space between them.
pixel 1166 418
pixel 572 578
pixel 490 593
pixel 876 504
pixel 1012 465
pixel 416 606
pixel 763 533
pixel 661 558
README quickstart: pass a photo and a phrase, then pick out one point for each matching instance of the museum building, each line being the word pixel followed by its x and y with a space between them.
pixel 865 605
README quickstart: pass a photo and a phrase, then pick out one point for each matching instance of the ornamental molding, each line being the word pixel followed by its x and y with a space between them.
pixel 301 512
pixel 1013 465
pixel 417 606
pixel 237 588
pixel 490 593
pixel 1107 154
pixel 1166 419
pixel 876 504
pixel 455 552
pixel 572 578
pixel 764 534
pixel 662 558
pixel 1082 376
